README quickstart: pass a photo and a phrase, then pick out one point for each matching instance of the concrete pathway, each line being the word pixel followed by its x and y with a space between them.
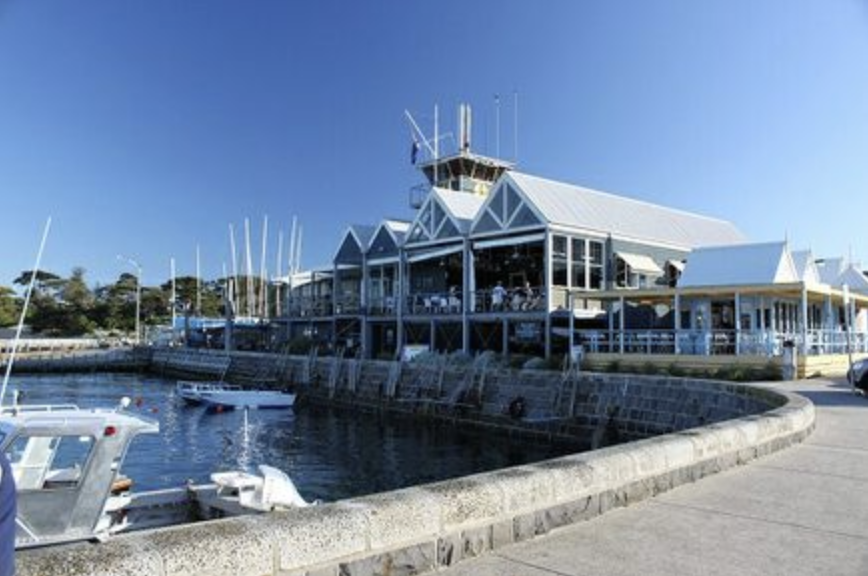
pixel 803 511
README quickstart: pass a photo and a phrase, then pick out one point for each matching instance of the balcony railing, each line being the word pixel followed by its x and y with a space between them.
pixel 717 342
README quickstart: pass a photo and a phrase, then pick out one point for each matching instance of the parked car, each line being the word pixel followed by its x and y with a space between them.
pixel 858 375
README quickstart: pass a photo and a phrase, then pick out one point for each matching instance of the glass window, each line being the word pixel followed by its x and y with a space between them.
pixel 559 260
pixel 44 462
pixel 579 264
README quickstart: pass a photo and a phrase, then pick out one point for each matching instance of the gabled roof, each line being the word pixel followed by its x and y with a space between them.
pixel 397 228
pixel 854 279
pixel 830 269
pixel 387 239
pixel 806 268
pixel 445 214
pixel 363 234
pixel 739 265
pixel 582 208
pixel 836 273
pixel 353 244
pixel 462 206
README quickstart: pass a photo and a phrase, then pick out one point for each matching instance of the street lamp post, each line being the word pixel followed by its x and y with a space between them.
pixel 138 295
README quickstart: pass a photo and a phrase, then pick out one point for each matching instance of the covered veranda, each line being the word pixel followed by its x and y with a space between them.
pixel 759 321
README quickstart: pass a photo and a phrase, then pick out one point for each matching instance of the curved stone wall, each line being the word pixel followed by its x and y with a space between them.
pixel 421 528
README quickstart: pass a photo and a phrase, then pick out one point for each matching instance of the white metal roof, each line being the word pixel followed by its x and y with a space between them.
pixel 854 279
pixel 805 266
pixel 462 206
pixel 398 228
pixel 739 264
pixel 578 207
pixel 830 270
pixel 836 273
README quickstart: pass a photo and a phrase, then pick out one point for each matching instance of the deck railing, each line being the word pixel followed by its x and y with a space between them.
pixel 718 342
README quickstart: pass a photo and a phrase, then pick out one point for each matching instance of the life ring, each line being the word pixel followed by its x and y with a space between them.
pixel 122 484
pixel 517 408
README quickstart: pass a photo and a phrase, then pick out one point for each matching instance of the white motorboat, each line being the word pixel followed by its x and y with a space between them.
pixel 191 392
pixel 66 464
pixel 219 396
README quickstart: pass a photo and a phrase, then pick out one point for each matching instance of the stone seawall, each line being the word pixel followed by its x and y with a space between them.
pixel 594 408
pixel 423 528
pixel 706 427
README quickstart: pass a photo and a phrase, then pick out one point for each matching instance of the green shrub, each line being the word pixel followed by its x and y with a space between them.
pixel 675 369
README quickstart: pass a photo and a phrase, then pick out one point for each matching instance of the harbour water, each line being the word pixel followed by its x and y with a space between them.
pixel 330 454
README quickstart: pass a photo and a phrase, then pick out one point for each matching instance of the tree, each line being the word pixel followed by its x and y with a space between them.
pixel 10 307
pixel 45 281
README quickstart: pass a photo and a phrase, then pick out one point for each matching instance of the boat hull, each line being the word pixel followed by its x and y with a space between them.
pixel 260 399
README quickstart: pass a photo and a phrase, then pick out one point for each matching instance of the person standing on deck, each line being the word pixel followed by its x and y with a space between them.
pixel 498 295
pixel 7 518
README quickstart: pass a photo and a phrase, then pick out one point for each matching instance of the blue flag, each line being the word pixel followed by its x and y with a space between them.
pixel 414 152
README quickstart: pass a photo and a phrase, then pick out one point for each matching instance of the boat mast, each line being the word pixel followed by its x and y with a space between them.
pixel 279 267
pixel 248 268
pixel 234 250
pixel 263 294
pixel 198 283
pixel 24 310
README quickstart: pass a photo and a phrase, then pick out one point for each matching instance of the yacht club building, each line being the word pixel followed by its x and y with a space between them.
pixel 496 259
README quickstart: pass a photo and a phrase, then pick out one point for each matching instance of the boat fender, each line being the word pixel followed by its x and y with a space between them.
pixel 517 407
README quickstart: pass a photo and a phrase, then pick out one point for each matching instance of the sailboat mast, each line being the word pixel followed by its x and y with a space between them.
pixel 24 310
pixel 234 292
pixel 279 264
pixel 263 288
pixel 198 283
pixel 248 269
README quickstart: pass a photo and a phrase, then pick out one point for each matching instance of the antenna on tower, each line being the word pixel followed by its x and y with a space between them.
pixel 497 125
pixel 465 127
pixel 515 126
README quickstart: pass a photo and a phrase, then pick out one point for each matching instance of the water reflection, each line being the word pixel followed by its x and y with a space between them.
pixel 329 454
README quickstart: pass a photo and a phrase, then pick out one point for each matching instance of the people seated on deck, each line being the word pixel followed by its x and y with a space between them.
pixel 454 300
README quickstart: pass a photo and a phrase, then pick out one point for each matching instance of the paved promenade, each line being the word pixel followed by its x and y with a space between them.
pixel 802 511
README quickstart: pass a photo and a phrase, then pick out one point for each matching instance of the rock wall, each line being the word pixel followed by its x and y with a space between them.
pixel 423 528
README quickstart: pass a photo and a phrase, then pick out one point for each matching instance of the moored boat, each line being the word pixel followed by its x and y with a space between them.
pixel 191 392
pixel 66 462
pixel 219 396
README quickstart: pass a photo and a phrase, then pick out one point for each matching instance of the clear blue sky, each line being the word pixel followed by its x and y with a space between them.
pixel 147 127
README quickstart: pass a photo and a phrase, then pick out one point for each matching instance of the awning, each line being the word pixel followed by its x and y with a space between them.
pixel 512 241
pixel 677 264
pixel 434 253
pixel 382 260
pixel 640 264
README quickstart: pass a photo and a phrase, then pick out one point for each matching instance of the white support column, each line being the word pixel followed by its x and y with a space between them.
pixel 677 319
pixel 467 293
pixel 365 310
pixel 804 321
pixel 400 295
pixel 737 321
pixel 547 258
pixel 621 324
